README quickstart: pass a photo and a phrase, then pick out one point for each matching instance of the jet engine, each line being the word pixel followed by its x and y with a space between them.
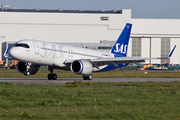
pixel 81 67
pixel 27 68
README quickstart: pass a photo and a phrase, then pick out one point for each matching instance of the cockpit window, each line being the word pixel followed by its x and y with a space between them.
pixel 22 45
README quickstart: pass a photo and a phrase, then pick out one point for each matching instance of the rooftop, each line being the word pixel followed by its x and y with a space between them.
pixel 61 11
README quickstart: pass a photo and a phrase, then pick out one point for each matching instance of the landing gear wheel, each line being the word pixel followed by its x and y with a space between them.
pixel 54 76
pixel 87 77
pixel 26 73
pixel 90 77
pixel 84 77
pixel 50 76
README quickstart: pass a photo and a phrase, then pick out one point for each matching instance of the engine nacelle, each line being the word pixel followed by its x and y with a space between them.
pixel 81 67
pixel 29 68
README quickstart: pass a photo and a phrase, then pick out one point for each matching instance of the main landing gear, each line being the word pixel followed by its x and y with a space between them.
pixel 87 77
pixel 51 76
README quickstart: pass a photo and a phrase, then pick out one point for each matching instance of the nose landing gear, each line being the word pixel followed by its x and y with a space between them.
pixel 27 73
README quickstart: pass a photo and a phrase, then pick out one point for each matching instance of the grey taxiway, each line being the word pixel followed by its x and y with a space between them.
pixel 65 80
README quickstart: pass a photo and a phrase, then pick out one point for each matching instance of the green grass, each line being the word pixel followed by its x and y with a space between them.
pixel 43 72
pixel 87 100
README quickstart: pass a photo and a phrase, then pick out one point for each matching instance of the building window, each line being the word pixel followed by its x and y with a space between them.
pixel 136 46
pixel 104 18
pixel 104 48
pixel 165 49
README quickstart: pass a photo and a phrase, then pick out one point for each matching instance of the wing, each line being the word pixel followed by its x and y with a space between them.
pixel 115 61
pixel 119 60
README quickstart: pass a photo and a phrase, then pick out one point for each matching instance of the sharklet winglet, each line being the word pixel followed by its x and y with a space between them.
pixel 6 53
pixel 172 51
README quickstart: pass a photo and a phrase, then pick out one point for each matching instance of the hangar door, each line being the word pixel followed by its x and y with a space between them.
pixel 136 46
pixel 165 49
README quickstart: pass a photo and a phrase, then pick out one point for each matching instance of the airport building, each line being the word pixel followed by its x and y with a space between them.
pixel 91 29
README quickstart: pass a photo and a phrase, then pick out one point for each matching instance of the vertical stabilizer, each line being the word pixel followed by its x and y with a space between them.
pixel 121 45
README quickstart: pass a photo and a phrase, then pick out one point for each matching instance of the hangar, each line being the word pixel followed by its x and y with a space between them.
pixel 94 29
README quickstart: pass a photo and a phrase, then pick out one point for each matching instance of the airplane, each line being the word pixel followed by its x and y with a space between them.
pixel 31 54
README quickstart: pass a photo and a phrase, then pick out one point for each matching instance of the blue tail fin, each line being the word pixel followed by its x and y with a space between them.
pixel 120 48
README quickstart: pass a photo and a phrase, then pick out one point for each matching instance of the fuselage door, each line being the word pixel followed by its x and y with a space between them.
pixel 36 46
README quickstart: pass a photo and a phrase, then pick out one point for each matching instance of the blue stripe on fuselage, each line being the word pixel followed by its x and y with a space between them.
pixel 111 67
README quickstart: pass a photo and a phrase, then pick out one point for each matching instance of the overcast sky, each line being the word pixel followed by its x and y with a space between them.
pixel 140 8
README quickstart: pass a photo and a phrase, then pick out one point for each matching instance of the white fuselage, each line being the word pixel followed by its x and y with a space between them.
pixel 54 54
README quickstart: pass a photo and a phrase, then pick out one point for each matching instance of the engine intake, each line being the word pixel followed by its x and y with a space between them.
pixel 81 67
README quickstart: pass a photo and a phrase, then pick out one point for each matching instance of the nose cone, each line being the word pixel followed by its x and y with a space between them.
pixel 13 53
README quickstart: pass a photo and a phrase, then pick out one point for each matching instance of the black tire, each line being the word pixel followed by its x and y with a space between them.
pixel 26 73
pixel 84 77
pixel 54 77
pixel 90 77
pixel 50 76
